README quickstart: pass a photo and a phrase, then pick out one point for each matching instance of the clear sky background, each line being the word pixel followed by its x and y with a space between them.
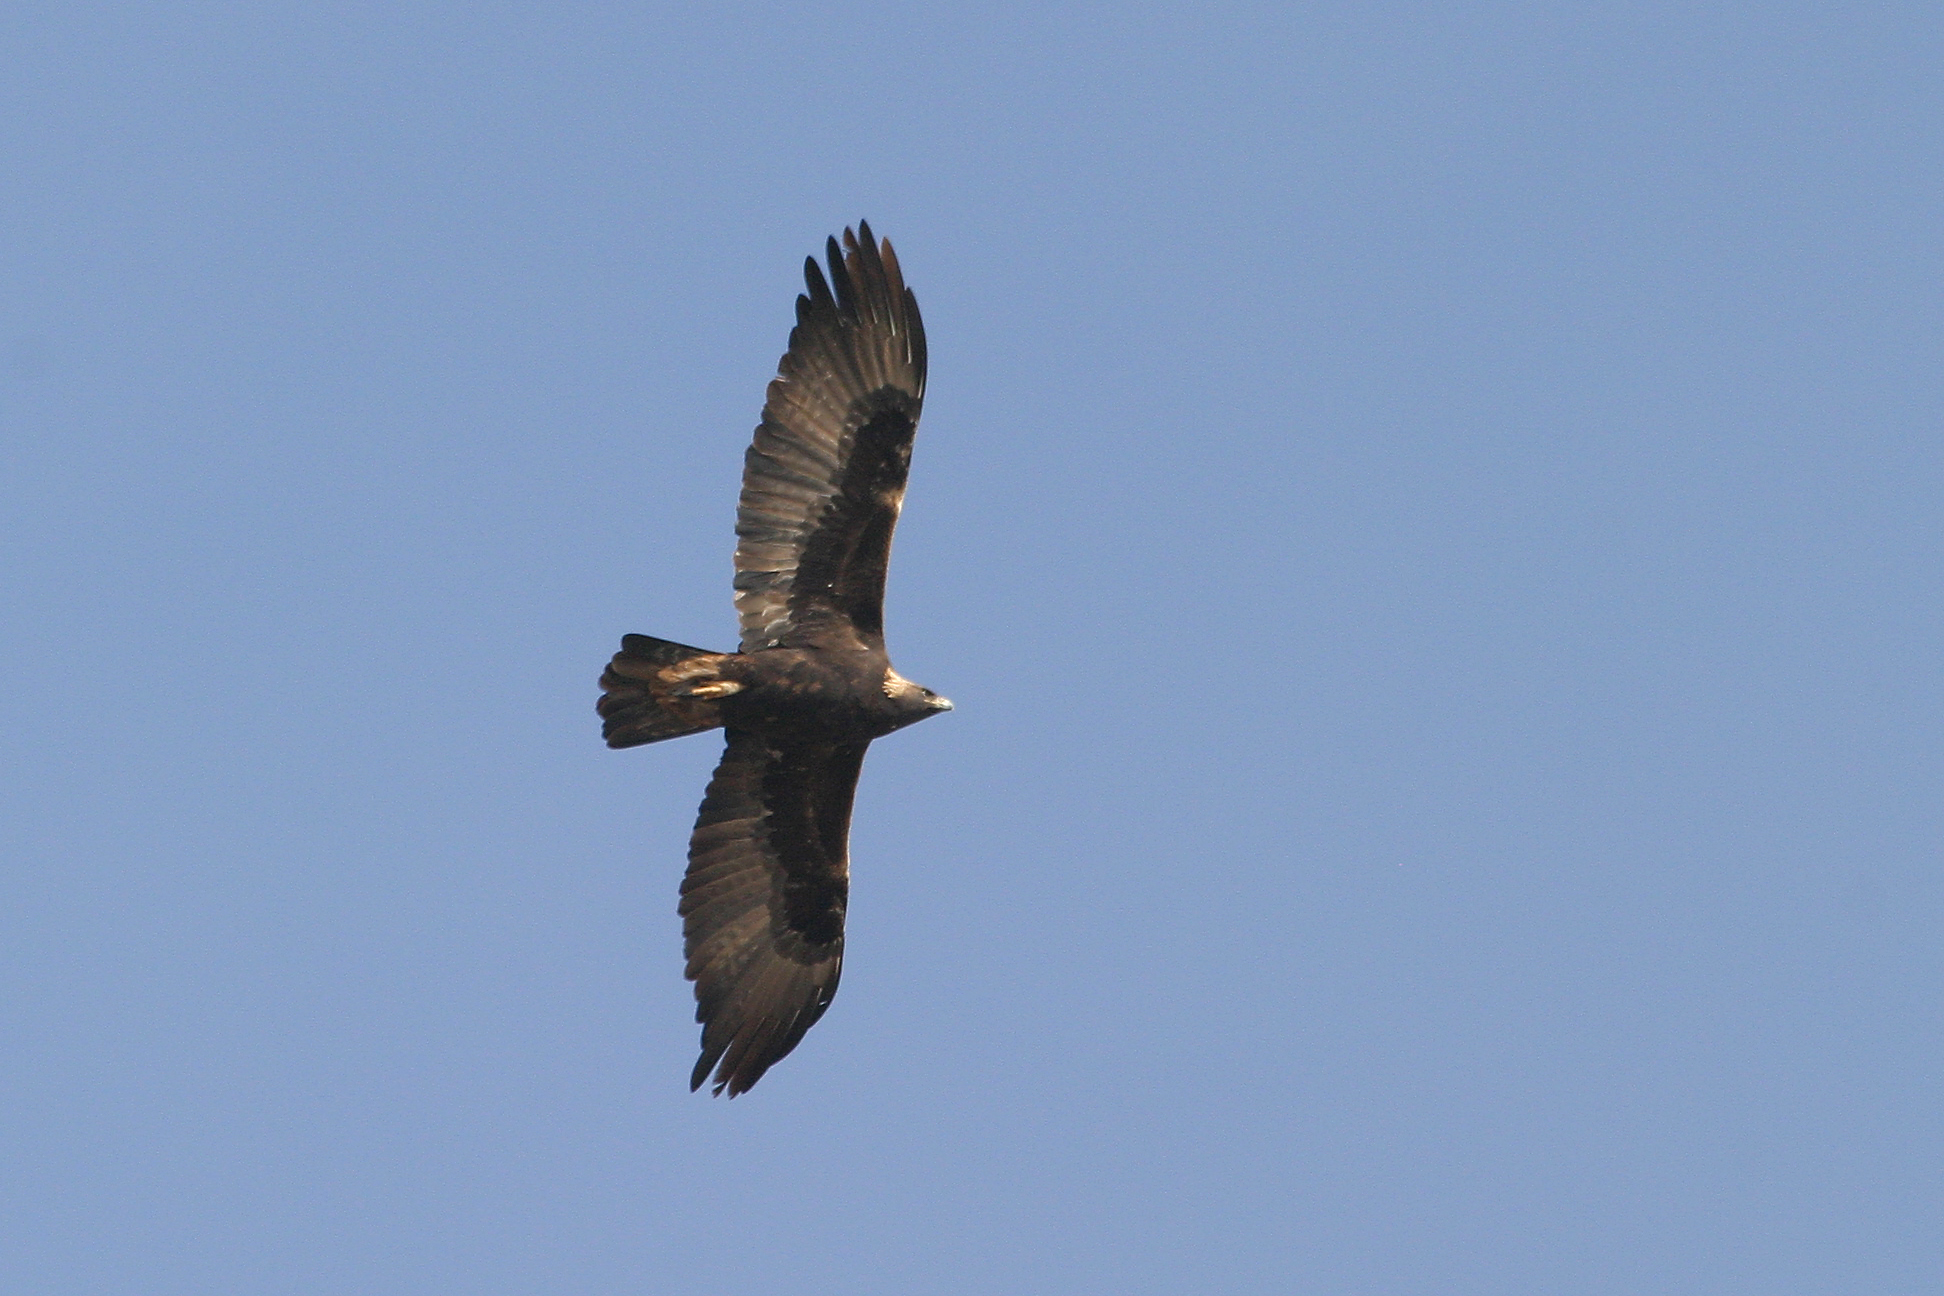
pixel 1429 513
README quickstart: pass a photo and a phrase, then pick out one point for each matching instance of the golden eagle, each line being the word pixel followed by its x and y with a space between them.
pixel 769 861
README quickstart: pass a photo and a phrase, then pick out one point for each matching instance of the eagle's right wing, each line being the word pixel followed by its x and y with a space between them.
pixel 763 902
pixel 825 477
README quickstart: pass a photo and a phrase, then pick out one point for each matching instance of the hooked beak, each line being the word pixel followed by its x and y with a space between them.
pixel 941 704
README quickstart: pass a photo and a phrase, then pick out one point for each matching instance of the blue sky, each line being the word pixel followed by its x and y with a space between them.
pixel 1429 514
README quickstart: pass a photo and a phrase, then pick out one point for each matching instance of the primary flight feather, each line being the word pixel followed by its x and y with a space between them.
pixel 769 860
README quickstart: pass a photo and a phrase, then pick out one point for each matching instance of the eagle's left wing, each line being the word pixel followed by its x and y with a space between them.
pixel 763 902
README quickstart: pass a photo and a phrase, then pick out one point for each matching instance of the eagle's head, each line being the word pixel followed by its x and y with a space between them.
pixel 911 702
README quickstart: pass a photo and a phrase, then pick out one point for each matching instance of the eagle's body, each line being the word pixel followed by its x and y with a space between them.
pixel 769 869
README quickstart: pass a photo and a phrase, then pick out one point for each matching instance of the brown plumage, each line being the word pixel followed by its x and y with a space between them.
pixel 769 865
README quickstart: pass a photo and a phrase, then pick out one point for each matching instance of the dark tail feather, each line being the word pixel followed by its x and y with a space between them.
pixel 630 714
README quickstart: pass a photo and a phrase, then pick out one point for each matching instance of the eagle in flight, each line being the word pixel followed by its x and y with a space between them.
pixel 769 861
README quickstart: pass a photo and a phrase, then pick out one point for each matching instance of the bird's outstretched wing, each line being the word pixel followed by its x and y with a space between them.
pixel 763 902
pixel 824 480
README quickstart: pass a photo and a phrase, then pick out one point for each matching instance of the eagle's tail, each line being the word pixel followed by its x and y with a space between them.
pixel 654 689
